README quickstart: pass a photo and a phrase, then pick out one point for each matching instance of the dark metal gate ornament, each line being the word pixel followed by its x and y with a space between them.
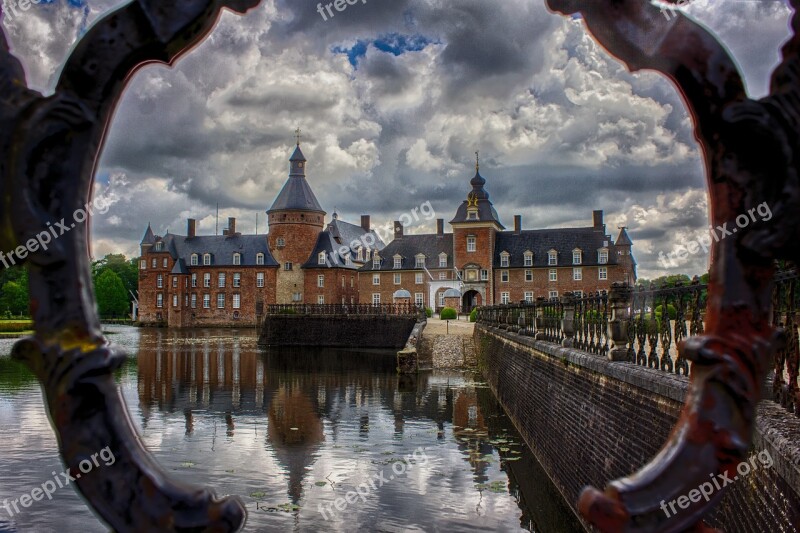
pixel 49 148
pixel 750 151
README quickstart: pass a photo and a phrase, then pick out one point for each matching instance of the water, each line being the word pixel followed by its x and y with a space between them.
pixel 292 431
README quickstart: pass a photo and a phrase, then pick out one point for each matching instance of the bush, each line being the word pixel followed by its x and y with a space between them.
pixel 428 312
pixel 473 316
pixel 448 313
pixel 671 310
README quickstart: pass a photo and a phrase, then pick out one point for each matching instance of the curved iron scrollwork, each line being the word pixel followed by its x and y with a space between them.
pixel 749 149
pixel 50 146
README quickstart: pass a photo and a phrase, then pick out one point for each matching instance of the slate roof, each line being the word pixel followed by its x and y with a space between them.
pixel 409 246
pixel 296 195
pixel 338 234
pixel 221 248
pixel 180 267
pixel 563 240
pixel 486 211
pixel 624 239
pixel 149 236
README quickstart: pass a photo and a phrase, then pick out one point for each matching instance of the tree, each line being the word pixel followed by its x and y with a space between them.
pixel 127 270
pixel 14 297
pixel 112 298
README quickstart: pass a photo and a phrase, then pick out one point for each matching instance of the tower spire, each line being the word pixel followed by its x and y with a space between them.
pixel 297 135
pixel 477 161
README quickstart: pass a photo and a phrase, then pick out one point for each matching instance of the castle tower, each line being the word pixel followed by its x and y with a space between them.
pixel 475 227
pixel 625 259
pixel 295 221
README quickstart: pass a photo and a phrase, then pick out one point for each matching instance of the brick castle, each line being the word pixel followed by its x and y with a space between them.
pixel 227 280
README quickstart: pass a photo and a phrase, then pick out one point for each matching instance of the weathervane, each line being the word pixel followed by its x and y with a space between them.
pixel 477 161
pixel 297 135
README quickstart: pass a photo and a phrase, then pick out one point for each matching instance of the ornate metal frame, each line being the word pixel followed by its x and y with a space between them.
pixel 50 147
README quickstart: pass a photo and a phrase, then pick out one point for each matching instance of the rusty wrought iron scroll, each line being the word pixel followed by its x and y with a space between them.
pixel 749 148
pixel 49 148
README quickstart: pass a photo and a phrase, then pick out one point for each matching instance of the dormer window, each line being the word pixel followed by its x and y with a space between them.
pixel 577 257
pixel 504 259
pixel 360 255
pixel 369 255
pixel 376 261
pixel 528 259
pixel 237 259
pixel 552 258
pixel 322 258
pixel 206 259
pixel 602 256
pixel 194 259
pixel 259 259
pixel 442 260
pixel 420 261
pixel 159 246
pixel 398 262
pixel 348 260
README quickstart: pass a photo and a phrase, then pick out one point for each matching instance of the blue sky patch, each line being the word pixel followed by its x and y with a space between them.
pixel 393 43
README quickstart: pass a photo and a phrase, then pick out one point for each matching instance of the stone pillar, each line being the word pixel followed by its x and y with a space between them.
pixel 540 334
pixel 521 323
pixel 568 322
pixel 620 298
pixel 407 361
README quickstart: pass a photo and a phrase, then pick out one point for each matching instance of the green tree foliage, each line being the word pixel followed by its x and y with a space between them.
pixel 448 313
pixel 473 315
pixel 112 298
pixel 14 299
pixel 127 271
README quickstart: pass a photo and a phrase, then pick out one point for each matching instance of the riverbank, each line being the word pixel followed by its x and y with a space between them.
pixel 447 345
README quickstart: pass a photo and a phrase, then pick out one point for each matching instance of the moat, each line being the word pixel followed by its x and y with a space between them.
pixel 292 432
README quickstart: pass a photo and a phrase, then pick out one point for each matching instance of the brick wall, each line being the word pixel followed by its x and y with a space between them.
pixel 589 420
pixel 541 284
pixel 299 236
pixel 340 286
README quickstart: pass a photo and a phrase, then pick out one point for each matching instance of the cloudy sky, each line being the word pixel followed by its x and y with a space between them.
pixel 394 97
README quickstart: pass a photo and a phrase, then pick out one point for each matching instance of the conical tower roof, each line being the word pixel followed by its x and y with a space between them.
pixel 296 194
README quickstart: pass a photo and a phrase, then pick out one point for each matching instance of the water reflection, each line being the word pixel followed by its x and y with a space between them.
pixel 293 431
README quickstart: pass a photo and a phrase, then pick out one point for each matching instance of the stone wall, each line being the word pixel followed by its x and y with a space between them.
pixel 351 331
pixel 589 420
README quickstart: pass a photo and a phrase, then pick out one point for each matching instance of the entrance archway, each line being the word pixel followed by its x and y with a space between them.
pixel 470 301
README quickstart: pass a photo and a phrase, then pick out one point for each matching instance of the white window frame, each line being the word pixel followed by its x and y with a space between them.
pixel 419 261
pixel 222 279
pixel 528 259
pixel 259 259
pixel 206 301
pixel 504 260
pixel 398 262
pixel 577 257
pixel 321 281
pixel 552 258
pixel 207 280
pixel 602 256
pixel 529 296
pixel 260 280
pixel 194 260
pixel 194 280
pixel 442 260
pixel 143 264
pixel 321 299
pixel 237 259
pixel 418 278
pixel 221 300
pixel 505 297
pixel 174 300
pixel 602 273
pixel 553 294
pixel 504 276
pixel 165 262
pixel 322 258
pixel 552 275
pixel 237 279
pixel 442 276
pixel 237 300
pixel 419 298
pixel 206 259
pixel 484 275
pixel 159 300
pixel 472 243
pixel 376 279
pixel 160 282
pixel 194 301
pixel 281 242
pixel 398 279
pixel 577 274
pixel 376 298
pixel 529 275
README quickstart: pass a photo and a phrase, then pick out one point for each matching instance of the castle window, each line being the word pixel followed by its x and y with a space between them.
pixel 174 300
pixel 528 259
pixel 529 297
pixel 553 274
pixel 398 279
pixel 442 275
pixel 221 280
pixel 206 259
pixel 505 298
pixel 321 281
pixel 420 261
pixel 360 256
pixel 577 273
pixel 553 295
pixel 398 262
pixel 193 261
pixel 160 281
pixel 419 299
pixel 552 258
pixel 376 261
pixel 418 279
pixel 484 275
pixel 281 242
pixel 237 259
pixel 155 264
pixel 260 280
pixel 376 279
pixel 602 256
pixel 174 282
pixel 321 299
pixel 297 297
pixel 504 259
pixel 194 301
pixel 143 264
pixel 504 276
pixel 603 273
pixel 159 246
pixel 237 301
pixel 322 258
pixel 577 257
pixel 207 280
pixel 529 275
pixel 376 299
pixel 442 260
pixel 159 300
pixel 237 280
pixel 287 266
pixel 206 301
pixel 259 259
pixel 471 243
pixel 220 301
pixel 165 262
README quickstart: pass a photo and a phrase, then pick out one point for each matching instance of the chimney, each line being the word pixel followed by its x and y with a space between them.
pixel 398 230
pixel 440 227
pixel 598 220
pixel 191 230
pixel 365 225
pixel 231 226
pixel 517 224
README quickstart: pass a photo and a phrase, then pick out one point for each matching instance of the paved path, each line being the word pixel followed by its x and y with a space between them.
pixel 439 327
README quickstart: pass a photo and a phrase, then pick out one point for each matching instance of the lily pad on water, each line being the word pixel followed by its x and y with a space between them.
pixel 494 486
pixel 258 495
pixel 321 483
pixel 187 464
pixel 517 458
